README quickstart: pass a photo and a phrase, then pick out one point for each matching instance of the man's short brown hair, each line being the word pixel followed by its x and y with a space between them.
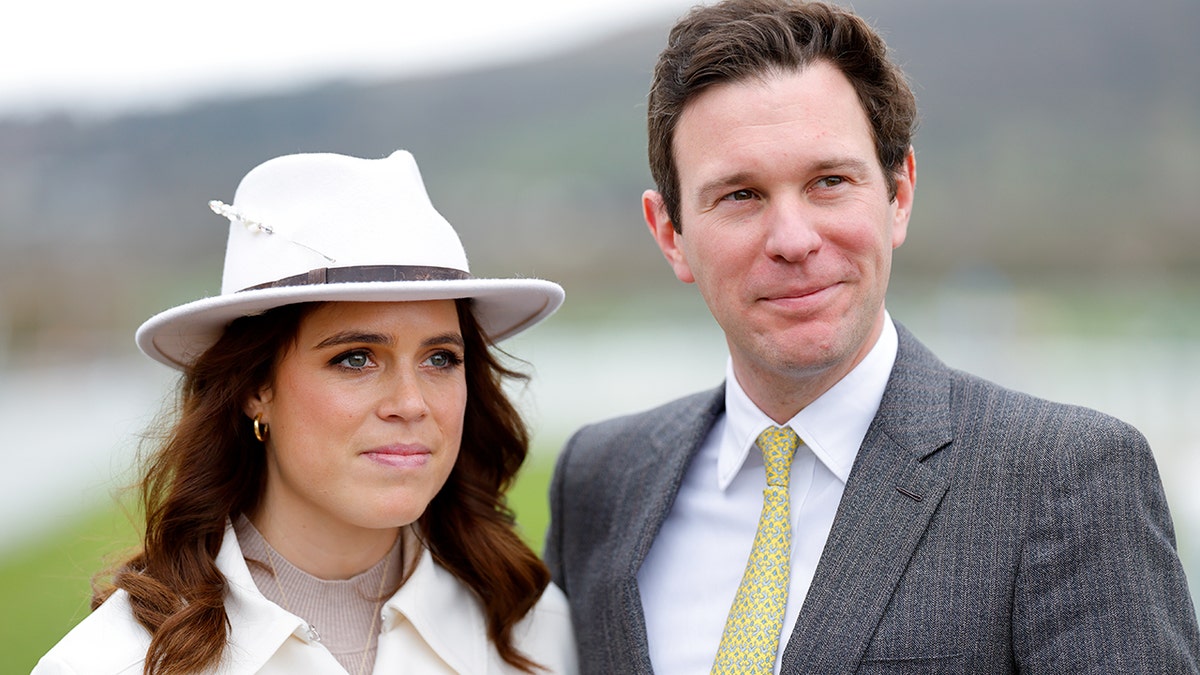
pixel 738 40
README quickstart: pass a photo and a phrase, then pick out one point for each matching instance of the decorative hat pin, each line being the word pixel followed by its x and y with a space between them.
pixel 226 211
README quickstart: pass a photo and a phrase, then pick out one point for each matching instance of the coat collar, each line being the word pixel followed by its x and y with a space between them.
pixel 890 497
pixel 658 472
pixel 651 479
pixel 258 627
pixel 444 612
pixel 440 608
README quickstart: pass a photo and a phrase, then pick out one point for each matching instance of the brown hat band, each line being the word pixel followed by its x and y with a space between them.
pixel 366 273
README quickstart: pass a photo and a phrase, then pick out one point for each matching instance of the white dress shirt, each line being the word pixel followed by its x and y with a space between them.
pixel 692 572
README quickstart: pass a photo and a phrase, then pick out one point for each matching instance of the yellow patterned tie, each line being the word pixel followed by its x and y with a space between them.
pixel 751 636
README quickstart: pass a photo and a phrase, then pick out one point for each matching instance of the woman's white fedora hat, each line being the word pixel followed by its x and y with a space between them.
pixel 326 227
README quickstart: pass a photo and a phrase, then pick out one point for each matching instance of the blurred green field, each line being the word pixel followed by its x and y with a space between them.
pixel 46 585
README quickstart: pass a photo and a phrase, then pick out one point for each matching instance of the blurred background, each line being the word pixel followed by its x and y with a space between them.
pixel 1054 247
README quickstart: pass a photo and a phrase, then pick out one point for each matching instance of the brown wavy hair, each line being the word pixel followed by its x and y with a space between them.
pixel 739 40
pixel 208 468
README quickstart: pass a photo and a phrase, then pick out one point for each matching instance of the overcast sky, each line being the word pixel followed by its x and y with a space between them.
pixel 135 54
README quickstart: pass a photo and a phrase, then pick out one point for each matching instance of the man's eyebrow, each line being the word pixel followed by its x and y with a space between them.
pixel 852 164
pixel 722 184
pixel 743 178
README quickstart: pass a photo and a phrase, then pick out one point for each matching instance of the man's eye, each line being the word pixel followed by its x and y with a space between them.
pixel 830 181
pixel 739 196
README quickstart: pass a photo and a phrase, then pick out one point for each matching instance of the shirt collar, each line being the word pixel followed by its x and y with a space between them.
pixel 832 427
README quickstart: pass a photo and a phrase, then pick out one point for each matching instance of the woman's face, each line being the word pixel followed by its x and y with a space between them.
pixel 365 415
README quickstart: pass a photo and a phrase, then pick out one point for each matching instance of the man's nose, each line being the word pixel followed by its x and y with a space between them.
pixel 793 230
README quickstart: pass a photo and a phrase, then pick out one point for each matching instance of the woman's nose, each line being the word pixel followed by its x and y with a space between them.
pixel 404 398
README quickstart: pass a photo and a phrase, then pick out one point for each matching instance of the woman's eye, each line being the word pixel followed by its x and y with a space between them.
pixel 354 360
pixel 443 360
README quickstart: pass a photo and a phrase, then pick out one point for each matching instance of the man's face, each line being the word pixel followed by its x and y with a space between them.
pixel 787 228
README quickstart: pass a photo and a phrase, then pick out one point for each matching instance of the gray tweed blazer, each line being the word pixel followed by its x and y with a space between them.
pixel 981 531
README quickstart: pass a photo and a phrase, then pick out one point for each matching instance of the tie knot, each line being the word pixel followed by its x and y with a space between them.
pixel 778 445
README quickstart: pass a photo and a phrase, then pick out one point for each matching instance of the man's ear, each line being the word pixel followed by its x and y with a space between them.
pixel 654 210
pixel 906 185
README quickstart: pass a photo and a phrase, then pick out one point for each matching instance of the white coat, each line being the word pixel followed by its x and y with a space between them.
pixel 433 624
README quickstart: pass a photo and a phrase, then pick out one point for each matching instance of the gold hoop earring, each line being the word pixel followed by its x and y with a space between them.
pixel 261 429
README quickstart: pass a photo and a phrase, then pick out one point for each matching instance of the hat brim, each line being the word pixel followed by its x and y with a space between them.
pixel 503 307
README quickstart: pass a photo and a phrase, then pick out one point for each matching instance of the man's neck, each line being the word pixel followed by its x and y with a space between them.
pixel 782 393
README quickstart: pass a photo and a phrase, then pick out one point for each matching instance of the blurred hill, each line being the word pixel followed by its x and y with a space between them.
pixel 1057 138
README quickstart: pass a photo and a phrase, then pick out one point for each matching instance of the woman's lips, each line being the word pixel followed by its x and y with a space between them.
pixel 400 455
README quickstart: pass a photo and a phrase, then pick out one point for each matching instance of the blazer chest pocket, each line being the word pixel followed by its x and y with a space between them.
pixel 924 665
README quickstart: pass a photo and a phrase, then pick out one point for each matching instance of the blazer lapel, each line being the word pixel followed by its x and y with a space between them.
pixel 890 497
pixel 652 481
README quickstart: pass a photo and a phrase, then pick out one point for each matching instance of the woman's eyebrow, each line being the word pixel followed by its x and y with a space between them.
pixel 350 337
pixel 445 338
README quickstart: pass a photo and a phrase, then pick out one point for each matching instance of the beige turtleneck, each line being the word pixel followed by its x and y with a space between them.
pixel 344 613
